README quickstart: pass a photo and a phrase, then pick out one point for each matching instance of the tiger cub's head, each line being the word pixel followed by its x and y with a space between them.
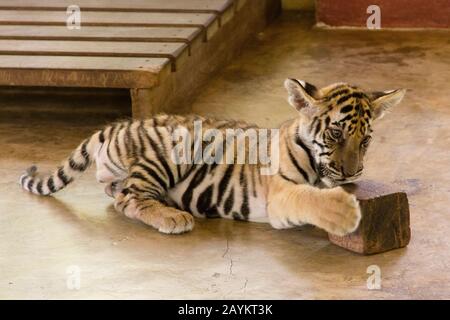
pixel 336 122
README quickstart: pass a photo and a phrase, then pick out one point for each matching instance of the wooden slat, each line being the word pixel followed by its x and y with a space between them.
pixel 27 17
pixel 207 22
pixel 63 71
pixel 145 34
pixel 90 48
pixel 157 35
pixel 208 6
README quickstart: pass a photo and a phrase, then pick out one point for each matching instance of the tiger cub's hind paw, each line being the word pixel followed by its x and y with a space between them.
pixel 113 188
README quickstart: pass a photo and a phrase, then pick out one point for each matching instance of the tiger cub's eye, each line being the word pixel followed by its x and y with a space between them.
pixel 365 142
pixel 336 134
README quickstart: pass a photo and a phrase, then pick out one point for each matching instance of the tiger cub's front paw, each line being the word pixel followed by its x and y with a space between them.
pixel 168 220
pixel 341 213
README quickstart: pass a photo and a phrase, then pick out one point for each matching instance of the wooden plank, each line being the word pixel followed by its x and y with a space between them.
pixel 67 71
pixel 31 17
pixel 90 48
pixel 206 21
pixel 144 34
pixel 205 6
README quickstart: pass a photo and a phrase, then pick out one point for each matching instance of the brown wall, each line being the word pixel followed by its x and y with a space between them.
pixel 394 13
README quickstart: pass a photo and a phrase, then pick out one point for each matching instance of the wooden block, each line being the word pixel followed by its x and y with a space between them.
pixel 385 220
pixel 72 71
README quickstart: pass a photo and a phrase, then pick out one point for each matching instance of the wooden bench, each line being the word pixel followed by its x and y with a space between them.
pixel 162 50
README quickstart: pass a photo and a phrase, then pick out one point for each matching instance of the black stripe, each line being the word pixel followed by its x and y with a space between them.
pixel 344 98
pixel 62 176
pixel 318 143
pixel 143 148
pixel 302 145
pixel 162 161
pixel 117 145
pixel 286 178
pixel 253 180
pixel 229 202
pixel 297 166
pixel 108 153
pixel 160 138
pixel 75 166
pixel 196 180
pixel 347 117
pixel 237 216
pixel 154 194
pixel 338 93
pixel 141 130
pixel 135 188
pixel 358 95
pixel 223 184
pixel 128 141
pixel 39 187
pixel 84 152
pixel 347 108
pixel 154 165
pixel 153 174
pixel 212 212
pixel 114 172
pixel 177 164
pixel 51 185
pixel 311 126
pixel 318 127
pixel 101 137
pixel 140 176
pixel 30 184
pixel 245 210
pixel 310 89
pixel 133 142
pixel 204 200
pixel 187 173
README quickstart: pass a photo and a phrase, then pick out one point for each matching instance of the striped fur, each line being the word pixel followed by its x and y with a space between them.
pixel 134 159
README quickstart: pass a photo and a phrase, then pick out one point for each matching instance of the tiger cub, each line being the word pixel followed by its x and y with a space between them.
pixel 320 149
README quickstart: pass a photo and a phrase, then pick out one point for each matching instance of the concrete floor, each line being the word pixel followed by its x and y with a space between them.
pixel 41 239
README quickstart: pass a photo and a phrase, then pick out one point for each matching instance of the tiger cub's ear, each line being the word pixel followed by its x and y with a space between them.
pixel 382 101
pixel 301 95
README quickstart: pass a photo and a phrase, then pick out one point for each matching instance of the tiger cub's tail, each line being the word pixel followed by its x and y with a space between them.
pixel 80 159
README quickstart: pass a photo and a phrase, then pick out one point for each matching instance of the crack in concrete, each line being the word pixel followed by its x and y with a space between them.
pixel 245 284
pixel 227 249
pixel 231 266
